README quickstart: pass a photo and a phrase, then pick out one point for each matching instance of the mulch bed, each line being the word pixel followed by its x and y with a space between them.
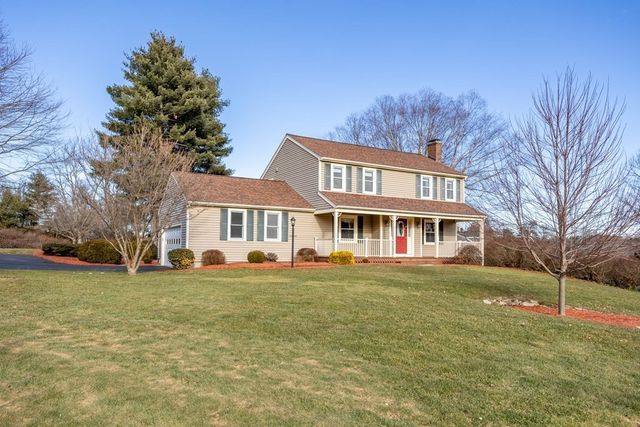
pixel 622 320
pixel 70 260
pixel 265 266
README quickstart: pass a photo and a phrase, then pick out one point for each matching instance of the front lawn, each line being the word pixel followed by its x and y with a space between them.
pixel 363 345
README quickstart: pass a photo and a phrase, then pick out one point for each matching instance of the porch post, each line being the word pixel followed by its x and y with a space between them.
pixel 421 236
pixel 336 215
pixel 436 229
pixel 392 235
pixel 482 239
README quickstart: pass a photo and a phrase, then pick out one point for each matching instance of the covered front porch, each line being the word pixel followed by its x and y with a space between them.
pixel 397 235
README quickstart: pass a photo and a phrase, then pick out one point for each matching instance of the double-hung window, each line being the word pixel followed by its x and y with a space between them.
pixel 426 187
pixel 369 181
pixel 273 226
pixel 236 225
pixel 337 178
pixel 430 232
pixel 450 190
pixel 347 228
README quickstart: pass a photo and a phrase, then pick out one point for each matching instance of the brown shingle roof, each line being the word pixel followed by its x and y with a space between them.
pixel 376 156
pixel 351 200
pixel 239 191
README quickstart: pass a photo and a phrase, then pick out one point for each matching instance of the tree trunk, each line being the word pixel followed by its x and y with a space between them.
pixel 561 292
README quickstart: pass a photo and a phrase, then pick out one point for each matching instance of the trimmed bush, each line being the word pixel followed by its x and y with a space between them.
pixel 468 255
pixel 151 254
pixel 342 257
pixel 99 252
pixel 213 257
pixel 60 249
pixel 256 257
pixel 306 255
pixel 181 259
pixel 271 256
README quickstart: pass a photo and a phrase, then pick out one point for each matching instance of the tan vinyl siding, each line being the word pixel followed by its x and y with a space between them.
pixel 450 234
pixel 204 234
pixel 395 183
pixel 300 170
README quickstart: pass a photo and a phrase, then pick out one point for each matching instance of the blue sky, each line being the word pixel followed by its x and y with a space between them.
pixel 302 67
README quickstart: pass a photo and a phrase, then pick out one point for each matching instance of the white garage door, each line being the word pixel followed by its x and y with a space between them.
pixel 172 240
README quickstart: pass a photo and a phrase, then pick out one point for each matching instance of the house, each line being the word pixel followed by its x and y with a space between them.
pixel 374 202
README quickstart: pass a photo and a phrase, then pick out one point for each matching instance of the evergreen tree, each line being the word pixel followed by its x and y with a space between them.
pixel 14 210
pixel 39 196
pixel 167 93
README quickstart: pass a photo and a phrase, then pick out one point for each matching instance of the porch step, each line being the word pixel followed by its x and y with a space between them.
pixel 401 260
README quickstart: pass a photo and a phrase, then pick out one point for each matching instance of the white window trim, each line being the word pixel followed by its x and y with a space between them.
pixel 375 177
pixel 431 186
pixel 344 177
pixel 424 233
pixel 355 227
pixel 244 225
pixel 453 181
pixel 266 222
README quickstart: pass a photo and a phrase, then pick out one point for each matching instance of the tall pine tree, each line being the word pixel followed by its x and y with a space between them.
pixel 166 92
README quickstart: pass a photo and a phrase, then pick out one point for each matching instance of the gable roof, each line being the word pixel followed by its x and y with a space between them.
pixel 239 191
pixel 328 149
pixel 363 201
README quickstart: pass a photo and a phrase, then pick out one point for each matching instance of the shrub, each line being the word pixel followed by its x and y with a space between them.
pixel 181 259
pixel 99 252
pixel 271 257
pixel 60 249
pixel 151 254
pixel 256 257
pixel 468 255
pixel 306 255
pixel 213 257
pixel 30 239
pixel 342 257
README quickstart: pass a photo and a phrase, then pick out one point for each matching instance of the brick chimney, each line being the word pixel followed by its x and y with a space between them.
pixel 434 149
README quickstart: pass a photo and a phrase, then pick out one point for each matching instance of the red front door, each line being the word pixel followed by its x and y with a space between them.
pixel 401 236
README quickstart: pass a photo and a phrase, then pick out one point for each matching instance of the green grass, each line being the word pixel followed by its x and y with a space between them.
pixel 16 251
pixel 346 346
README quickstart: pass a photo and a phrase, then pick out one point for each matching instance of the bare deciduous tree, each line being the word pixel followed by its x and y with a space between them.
pixel 71 217
pixel 561 183
pixel 30 117
pixel 406 123
pixel 127 180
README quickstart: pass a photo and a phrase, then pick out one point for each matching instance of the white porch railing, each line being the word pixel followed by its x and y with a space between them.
pixel 359 247
pixel 382 247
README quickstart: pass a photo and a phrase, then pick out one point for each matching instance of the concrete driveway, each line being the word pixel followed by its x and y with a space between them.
pixel 30 262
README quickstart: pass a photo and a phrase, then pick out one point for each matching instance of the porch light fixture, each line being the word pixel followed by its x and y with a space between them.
pixel 293 237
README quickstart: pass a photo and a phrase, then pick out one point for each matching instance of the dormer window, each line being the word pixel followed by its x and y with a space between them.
pixel 450 190
pixel 337 177
pixel 426 187
pixel 369 181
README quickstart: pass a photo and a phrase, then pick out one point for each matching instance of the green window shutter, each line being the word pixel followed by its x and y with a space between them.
pixel 285 226
pixel 378 182
pixel 443 189
pixel 441 231
pixel 327 176
pixel 348 179
pixel 418 187
pixel 359 180
pixel 224 223
pixel 458 184
pixel 249 225
pixel 360 227
pixel 260 236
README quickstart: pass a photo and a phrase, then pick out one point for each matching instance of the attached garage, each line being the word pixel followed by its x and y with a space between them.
pixel 171 239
